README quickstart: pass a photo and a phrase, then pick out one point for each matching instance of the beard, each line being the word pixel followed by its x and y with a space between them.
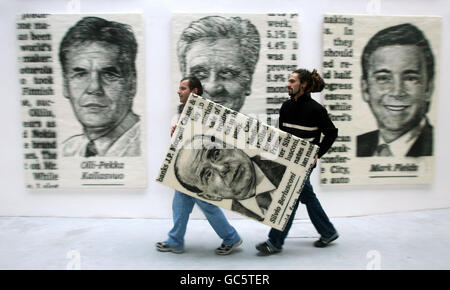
pixel 292 93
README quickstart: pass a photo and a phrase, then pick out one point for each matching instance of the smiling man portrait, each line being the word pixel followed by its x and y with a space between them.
pixel 397 84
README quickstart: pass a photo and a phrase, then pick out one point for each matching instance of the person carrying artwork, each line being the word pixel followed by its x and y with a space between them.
pixel 183 204
pixel 305 118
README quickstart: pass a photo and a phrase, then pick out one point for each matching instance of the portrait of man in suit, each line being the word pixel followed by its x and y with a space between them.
pixel 99 74
pixel 216 171
pixel 397 84
pixel 222 53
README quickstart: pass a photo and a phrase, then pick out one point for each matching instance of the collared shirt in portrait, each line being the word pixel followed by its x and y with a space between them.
pixel 402 145
pixel 122 141
pixel 263 185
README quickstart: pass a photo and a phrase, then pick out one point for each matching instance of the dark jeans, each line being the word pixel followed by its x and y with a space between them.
pixel 316 213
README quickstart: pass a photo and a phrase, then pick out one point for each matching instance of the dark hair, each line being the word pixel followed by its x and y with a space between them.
pixel 314 82
pixel 194 83
pixel 403 34
pixel 95 29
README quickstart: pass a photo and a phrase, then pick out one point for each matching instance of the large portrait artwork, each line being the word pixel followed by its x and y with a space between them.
pixel 382 87
pixel 242 60
pixel 82 97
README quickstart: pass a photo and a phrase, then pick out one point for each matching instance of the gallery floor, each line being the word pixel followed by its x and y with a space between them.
pixel 413 240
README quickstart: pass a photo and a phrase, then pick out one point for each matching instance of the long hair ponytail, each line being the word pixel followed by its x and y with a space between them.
pixel 315 82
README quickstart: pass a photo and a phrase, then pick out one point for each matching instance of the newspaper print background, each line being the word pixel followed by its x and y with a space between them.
pixel 278 52
pixel 344 38
pixel 49 120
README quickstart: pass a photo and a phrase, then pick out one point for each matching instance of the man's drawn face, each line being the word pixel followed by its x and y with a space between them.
pixel 218 173
pixel 396 89
pixel 94 82
pixel 220 68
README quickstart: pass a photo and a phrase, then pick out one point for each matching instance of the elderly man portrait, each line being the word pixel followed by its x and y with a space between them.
pixel 216 171
pixel 222 53
pixel 99 74
pixel 397 84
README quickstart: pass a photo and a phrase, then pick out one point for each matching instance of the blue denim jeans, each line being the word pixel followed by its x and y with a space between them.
pixel 182 206
pixel 316 213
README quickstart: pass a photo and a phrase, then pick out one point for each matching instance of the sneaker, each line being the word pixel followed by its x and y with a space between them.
pixel 267 248
pixel 322 242
pixel 164 247
pixel 226 250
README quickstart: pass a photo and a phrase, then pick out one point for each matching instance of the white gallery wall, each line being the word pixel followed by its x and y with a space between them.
pixel 155 200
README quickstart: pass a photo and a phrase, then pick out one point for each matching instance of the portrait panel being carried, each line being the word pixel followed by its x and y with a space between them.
pixel 236 162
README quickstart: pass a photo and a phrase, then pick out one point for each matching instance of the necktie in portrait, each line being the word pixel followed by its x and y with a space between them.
pixel 91 150
pixel 383 150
